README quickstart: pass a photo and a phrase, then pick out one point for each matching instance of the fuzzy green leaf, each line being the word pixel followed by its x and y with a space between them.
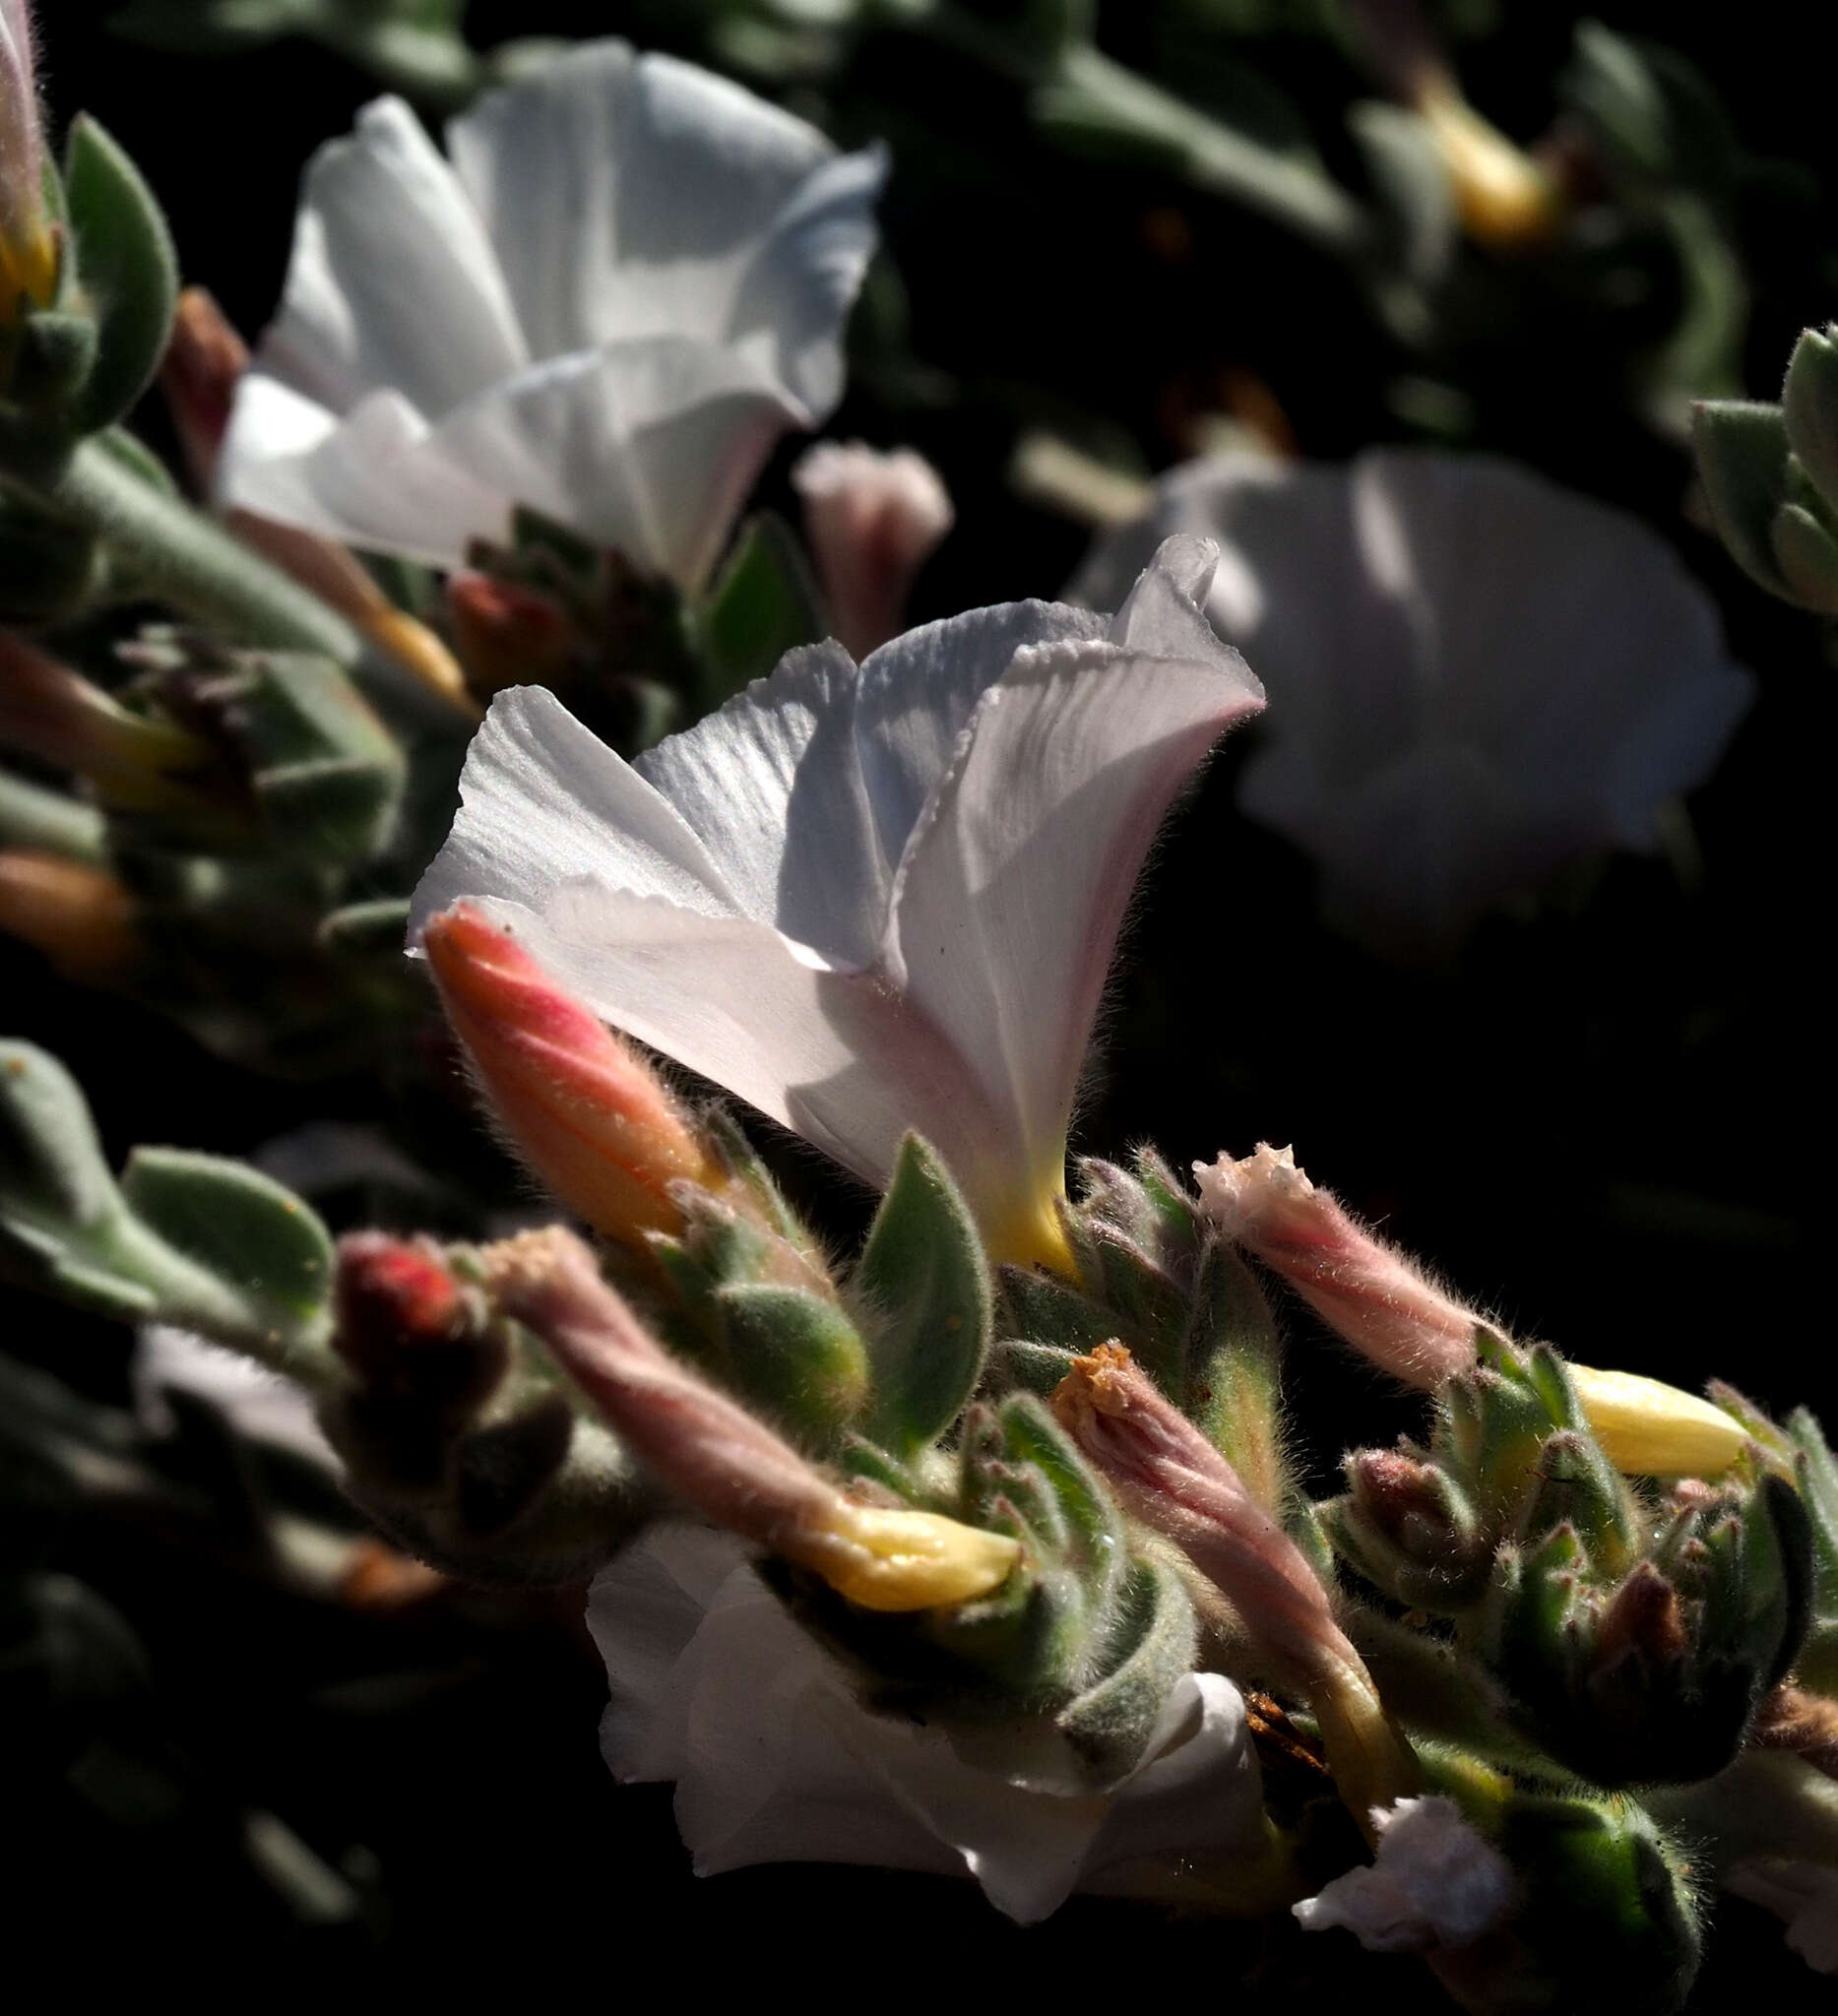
pixel 1742 455
pixel 128 270
pixel 796 1354
pixel 924 1285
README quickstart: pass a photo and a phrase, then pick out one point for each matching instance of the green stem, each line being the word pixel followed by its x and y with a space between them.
pixel 187 559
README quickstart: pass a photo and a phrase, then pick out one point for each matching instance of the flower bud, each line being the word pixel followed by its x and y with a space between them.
pixel 29 239
pixel 728 1466
pixel 577 1101
pixel 1167 1475
pixel 55 713
pixel 1374 1298
pixel 1648 1428
pixel 508 635
pixel 874 520
pixel 82 918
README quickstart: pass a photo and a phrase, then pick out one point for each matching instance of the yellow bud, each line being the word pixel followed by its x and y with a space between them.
pixel 1504 198
pixel 1648 1428
pixel 893 1559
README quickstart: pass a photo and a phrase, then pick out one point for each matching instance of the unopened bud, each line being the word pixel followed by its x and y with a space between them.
pixel 874 520
pixel 1505 199
pixel 1648 1428
pixel 404 1328
pixel 82 918
pixel 205 358
pixel 713 1453
pixel 1415 1506
pixel 586 1113
pixel 52 713
pixel 1645 1620
pixel 1370 1295
pixel 1167 1475
pixel 507 635
pixel 29 239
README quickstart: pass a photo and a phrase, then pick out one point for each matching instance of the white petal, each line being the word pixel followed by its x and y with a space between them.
pixel 257 1403
pixel 919 691
pixel 772 785
pixel 393 281
pixel 1436 1882
pixel 1803 1894
pixel 642 1611
pixel 1011 893
pixel 797 291
pixel 1198 1786
pixel 649 445
pixel 542 801
pixel 375 478
pixel 838 1057
pixel 626 195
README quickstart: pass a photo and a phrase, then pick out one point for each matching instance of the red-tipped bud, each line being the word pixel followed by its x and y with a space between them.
pixel 1644 1617
pixel 587 1113
pixel 507 635
pixel 874 520
pixel 409 1331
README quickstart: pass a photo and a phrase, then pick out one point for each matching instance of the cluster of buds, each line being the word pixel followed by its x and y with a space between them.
pixel 1635 1642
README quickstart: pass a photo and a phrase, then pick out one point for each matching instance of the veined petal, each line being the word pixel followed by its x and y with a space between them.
pixel 772 784
pixel 919 691
pixel 1009 898
pixel 795 294
pixel 393 281
pixel 647 445
pixel 542 802
pixel 626 195
pixel 375 478
pixel 840 1058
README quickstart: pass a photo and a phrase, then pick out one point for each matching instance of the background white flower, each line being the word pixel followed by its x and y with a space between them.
pixel 1474 674
pixel 257 1403
pixel 869 900
pixel 716 1687
pixel 1805 1895
pixel 874 518
pixel 628 285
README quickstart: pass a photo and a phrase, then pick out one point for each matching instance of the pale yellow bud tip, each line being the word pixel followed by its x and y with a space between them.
pixel 1504 198
pixel 1648 1428
pixel 893 1559
pixel 415 648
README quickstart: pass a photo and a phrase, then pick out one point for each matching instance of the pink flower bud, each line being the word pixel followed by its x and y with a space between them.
pixel 733 1468
pixel 874 520
pixel 1169 1476
pixel 586 1113
pixel 205 358
pixel 1374 1298
pixel 29 239
pixel 407 1328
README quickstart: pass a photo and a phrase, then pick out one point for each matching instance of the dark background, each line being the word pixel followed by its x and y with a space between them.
pixel 1604 1117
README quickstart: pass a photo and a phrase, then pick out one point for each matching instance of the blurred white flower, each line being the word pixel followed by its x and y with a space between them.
pixel 1436 1882
pixel 874 518
pixel 869 900
pixel 258 1403
pixel 775 1760
pixel 629 282
pixel 1474 674
pixel 1804 1894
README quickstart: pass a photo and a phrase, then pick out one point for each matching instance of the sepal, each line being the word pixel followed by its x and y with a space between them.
pixel 127 271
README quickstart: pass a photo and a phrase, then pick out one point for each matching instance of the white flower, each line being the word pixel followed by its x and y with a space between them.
pixel 874 520
pixel 1474 674
pixel 715 1686
pixel 258 1403
pixel 628 284
pixel 1805 1895
pixel 869 900
pixel 1436 1882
